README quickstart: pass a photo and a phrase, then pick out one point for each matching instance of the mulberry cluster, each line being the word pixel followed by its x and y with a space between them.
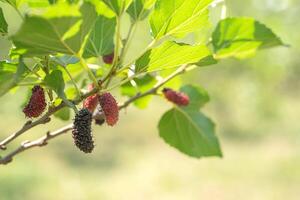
pixel 82 133
pixel 110 108
pixel 36 104
pixel 91 102
pixel 178 98
pixel 108 59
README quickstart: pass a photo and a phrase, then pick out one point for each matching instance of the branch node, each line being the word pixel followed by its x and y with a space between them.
pixel 3 147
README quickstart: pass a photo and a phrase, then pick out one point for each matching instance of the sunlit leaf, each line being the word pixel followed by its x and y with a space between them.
pixel 242 37
pixel 178 17
pixel 64 29
pixel 139 9
pixel 101 39
pixel 170 55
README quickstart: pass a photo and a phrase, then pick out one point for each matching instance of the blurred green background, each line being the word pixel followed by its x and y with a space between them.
pixel 254 102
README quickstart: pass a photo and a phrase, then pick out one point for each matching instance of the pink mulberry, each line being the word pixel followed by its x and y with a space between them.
pixel 110 108
pixel 178 98
pixel 91 102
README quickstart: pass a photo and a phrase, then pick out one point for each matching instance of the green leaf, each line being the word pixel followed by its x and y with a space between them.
pixel 189 131
pixel 139 9
pixel 101 39
pixel 63 114
pixel 178 17
pixel 209 60
pixel 118 6
pixel 139 85
pixel 198 96
pixel 3 23
pixel 11 2
pixel 64 30
pixel 170 55
pixel 56 82
pixel 10 75
pixel 242 37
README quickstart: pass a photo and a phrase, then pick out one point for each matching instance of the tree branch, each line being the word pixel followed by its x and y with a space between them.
pixel 46 118
pixel 36 143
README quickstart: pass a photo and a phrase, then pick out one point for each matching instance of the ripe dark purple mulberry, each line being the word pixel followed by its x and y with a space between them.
pixel 82 132
pixel 110 108
pixel 178 98
pixel 108 59
pixel 36 104
pixel 91 102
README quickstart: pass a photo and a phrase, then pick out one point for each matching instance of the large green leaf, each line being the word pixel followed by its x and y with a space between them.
pixel 139 9
pixel 170 55
pixel 178 17
pixel 101 39
pixel 118 6
pixel 189 131
pixel 10 75
pixel 3 23
pixel 242 37
pixel 61 29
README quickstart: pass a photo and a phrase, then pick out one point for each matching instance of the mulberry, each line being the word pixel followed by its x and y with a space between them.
pixel 36 104
pixel 82 133
pixel 110 108
pixel 178 98
pixel 91 102
pixel 108 59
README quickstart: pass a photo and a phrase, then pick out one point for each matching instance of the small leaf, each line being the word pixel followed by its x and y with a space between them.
pixel 101 40
pixel 139 9
pixel 56 82
pixel 198 96
pixel 190 132
pixel 63 114
pixel 178 17
pixel 3 23
pixel 242 37
pixel 10 75
pixel 171 55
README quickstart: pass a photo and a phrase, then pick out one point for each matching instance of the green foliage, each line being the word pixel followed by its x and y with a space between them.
pixel 189 130
pixel 3 23
pixel 101 40
pixel 10 75
pixel 170 55
pixel 178 17
pixel 139 9
pixel 242 37
pixel 63 39
pixel 64 30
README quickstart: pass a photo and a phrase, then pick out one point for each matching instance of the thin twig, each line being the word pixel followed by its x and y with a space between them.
pixel 43 140
pixel 36 143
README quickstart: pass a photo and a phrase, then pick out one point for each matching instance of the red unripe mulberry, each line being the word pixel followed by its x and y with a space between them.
pixel 91 102
pixel 36 104
pixel 108 59
pixel 110 108
pixel 178 98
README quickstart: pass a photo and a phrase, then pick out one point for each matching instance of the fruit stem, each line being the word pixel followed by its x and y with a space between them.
pixel 89 71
